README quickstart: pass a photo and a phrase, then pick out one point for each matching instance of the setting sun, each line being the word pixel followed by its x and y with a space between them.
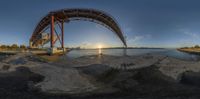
pixel 99 46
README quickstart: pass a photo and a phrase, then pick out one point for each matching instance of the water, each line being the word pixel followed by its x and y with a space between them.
pixel 180 55
pixel 135 52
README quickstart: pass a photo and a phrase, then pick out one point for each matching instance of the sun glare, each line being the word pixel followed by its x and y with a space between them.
pixel 99 46
pixel 99 49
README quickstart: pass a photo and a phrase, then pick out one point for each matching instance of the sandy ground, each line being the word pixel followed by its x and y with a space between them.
pixel 101 76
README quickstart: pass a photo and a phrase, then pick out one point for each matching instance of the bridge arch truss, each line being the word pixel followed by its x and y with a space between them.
pixel 59 17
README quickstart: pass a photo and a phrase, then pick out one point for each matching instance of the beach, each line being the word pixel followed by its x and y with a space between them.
pixel 148 76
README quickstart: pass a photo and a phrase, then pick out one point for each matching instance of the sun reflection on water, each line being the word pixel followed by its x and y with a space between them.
pixel 100 49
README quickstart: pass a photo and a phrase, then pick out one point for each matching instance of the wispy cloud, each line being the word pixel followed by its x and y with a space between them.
pixel 193 35
pixel 135 39
pixel 190 34
pixel 138 38
pixel 128 29
pixel 185 43
pixel 86 45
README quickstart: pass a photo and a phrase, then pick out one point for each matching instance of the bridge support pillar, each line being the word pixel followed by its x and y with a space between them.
pixel 55 50
pixel 62 30
pixel 52 31
pixel 30 44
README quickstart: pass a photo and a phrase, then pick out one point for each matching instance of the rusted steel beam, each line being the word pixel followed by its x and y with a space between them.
pixel 62 31
pixel 58 38
pixel 52 31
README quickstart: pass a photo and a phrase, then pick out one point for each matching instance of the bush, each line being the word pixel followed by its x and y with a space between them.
pixel 14 46
pixel 22 46
pixel 196 46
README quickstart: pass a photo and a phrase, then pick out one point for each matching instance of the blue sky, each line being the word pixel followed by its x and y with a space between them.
pixel 150 23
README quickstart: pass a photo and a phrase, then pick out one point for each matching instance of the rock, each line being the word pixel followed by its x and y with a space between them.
pixel 95 69
pixel 62 80
pixel 19 61
pixel 6 67
pixel 191 78
pixel 173 67
pixel 151 75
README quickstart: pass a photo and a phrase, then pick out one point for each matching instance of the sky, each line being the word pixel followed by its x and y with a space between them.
pixel 145 23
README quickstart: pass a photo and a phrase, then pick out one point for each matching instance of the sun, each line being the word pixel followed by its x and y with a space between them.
pixel 99 46
pixel 99 49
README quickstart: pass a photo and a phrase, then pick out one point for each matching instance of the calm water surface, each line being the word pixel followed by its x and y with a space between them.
pixel 135 52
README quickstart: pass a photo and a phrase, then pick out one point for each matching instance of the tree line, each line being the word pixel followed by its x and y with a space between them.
pixel 196 46
pixel 13 47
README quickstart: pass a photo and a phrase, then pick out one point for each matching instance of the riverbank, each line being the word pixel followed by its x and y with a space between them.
pixel 190 50
pixel 147 76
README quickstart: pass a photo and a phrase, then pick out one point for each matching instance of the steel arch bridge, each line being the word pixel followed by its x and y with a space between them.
pixel 59 17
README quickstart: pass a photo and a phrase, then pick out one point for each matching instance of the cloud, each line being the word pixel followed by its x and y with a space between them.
pixel 127 29
pixel 190 34
pixel 185 43
pixel 86 45
pixel 193 35
pixel 138 38
pixel 135 39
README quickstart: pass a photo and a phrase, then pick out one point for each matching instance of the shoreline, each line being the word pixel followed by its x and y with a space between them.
pixel 190 51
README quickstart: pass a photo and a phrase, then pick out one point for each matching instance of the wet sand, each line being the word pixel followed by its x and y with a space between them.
pixel 25 76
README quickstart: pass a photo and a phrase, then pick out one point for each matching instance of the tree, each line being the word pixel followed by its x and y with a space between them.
pixel 8 47
pixel 196 46
pixel 3 46
pixel 14 46
pixel 184 47
pixel 22 46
